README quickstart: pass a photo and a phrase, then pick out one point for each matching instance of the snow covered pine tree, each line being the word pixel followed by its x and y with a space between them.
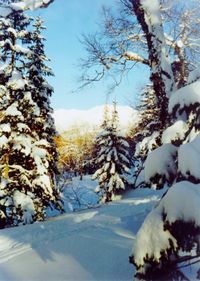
pixel 112 160
pixel 27 151
pixel 147 131
pixel 170 233
pixel 174 226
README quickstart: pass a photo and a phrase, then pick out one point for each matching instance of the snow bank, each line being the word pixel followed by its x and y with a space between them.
pixel 65 247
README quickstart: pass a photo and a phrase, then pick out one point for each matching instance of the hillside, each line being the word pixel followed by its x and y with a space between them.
pixel 65 119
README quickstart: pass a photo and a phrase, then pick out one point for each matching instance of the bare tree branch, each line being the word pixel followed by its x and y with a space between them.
pixel 120 42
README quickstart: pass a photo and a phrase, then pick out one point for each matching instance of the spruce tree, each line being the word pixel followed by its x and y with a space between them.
pixel 148 113
pixel 26 187
pixel 105 121
pixel 169 235
pixel 112 160
pixel 43 124
pixel 176 216
pixel 146 134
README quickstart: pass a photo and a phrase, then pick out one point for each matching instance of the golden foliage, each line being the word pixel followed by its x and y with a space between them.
pixel 75 146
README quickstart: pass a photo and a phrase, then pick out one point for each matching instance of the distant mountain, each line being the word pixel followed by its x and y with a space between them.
pixel 67 118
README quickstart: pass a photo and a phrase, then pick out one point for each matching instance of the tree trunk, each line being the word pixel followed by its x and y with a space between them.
pixel 161 72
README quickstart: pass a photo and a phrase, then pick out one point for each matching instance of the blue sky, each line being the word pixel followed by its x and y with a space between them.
pixel 66 20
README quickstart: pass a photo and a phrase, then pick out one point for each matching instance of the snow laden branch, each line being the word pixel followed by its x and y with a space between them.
pixel 24 5
pixel 134 57
pixel 35 4
pixel 157 241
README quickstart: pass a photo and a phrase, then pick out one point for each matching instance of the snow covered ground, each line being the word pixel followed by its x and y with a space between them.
pixel 92 244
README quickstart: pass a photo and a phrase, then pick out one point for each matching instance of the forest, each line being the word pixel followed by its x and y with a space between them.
pixel 109 200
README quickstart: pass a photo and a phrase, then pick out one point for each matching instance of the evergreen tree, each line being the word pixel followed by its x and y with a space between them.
pixel 41 91
pixel 105 121
pixel 148 113
pixel 112 160
pixel 172 228
pixel 146 135
pixel 26 187
pixel 175 162
pixel 96 145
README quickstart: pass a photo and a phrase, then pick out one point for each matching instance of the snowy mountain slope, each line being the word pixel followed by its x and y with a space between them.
pixel 64 119
pixel 89 245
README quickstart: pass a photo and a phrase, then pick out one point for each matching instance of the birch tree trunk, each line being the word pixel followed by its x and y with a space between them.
pixel 149 17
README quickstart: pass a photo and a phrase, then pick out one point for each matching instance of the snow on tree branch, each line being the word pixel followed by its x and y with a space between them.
pixel 148 14
pixel 153 240
pixel 24 5
pixel 135 57
pixel 32 4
